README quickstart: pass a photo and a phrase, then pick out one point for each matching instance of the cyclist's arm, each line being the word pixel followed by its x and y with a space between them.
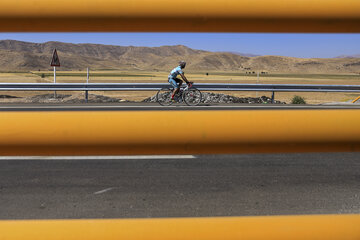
pixel 184 78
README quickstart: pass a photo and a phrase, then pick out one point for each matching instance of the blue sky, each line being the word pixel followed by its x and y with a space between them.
pixel 294 45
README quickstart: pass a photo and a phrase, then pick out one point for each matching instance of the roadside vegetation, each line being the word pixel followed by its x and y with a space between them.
pixel 298 100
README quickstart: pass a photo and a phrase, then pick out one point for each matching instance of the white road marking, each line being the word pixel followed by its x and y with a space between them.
pixel 131 157
pixel 103 191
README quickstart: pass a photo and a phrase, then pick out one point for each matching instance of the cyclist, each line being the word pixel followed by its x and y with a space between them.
pixel 176 82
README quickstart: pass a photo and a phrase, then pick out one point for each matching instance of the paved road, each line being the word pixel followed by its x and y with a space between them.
pixel 155 106
pixel 217 185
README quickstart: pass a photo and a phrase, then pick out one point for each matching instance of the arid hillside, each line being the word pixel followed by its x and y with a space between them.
pixel 349 56
pixel 25 56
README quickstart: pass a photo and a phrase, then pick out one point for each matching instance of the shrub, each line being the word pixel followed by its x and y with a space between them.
pixel 42 75
pixel 298 100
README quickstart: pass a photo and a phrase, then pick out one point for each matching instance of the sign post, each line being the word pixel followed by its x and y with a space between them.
pixel 257 82
pixel 87 81
pixel 55 62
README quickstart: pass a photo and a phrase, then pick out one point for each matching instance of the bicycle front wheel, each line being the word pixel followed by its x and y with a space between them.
pixel 192 97
pixel 163 96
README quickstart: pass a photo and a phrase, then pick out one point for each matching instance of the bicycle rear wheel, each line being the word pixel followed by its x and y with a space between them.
pixel 192 97
pixel 163 96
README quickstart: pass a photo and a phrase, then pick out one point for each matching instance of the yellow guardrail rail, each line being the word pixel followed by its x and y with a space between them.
pixel 327 227
pixel 197 132
pixel 187 15
pixel 86 133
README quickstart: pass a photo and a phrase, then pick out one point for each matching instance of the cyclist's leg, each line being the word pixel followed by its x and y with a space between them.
pixel 179 82
pixel 174 83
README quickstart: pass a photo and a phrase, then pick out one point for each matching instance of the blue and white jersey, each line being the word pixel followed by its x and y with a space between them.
pixel 175 72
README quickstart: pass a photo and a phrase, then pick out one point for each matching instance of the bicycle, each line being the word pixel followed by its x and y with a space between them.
pixel 191 96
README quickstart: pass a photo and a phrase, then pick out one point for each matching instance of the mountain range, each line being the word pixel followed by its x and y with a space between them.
pixel 349 56
pixel 26 56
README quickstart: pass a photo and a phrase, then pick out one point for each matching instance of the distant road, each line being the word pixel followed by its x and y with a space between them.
pixel 155 106
pixel 179 186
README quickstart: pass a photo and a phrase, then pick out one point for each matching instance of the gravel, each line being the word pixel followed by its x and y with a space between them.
pixel 210 97
pixel 207 98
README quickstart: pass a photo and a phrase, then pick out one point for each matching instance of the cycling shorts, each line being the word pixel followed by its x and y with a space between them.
pixel 175 82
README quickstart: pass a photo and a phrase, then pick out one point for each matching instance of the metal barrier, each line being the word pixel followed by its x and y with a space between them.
pixel 133 132
pixel 200 16
pixel 157 86
pixel 327 227
pixel 149 132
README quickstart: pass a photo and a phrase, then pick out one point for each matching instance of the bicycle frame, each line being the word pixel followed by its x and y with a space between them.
pixel 182 87
pixel 179 97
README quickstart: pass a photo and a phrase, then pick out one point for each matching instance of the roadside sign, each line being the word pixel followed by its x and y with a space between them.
pixel 55 62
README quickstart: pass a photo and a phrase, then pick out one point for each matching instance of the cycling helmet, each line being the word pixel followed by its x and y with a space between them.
pixel 182 64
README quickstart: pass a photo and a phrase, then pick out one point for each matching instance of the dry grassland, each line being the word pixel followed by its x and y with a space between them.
pixel 213 77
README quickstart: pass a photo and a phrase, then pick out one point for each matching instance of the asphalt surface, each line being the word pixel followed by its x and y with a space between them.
pixel 217 185
pixel 156 106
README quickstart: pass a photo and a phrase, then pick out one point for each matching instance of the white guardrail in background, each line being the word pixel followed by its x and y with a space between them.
pixel 157 86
